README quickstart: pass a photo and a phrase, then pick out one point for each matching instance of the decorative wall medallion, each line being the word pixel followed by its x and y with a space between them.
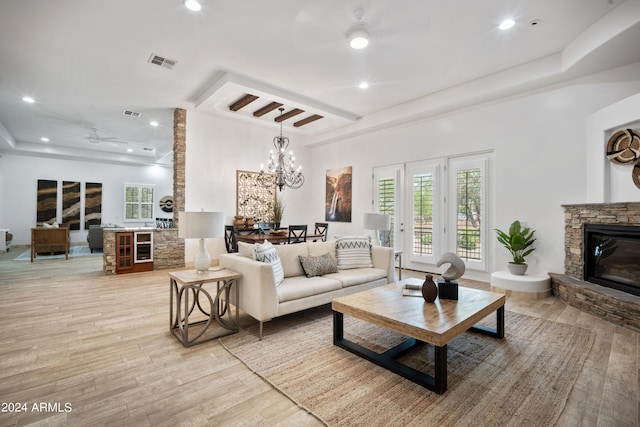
pixel 624 146
pixel 635 174
pixel 166 204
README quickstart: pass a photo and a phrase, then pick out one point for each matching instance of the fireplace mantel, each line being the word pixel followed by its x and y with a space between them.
pixel 610 304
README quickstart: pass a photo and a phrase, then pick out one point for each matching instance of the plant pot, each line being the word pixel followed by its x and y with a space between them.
pixel 517 269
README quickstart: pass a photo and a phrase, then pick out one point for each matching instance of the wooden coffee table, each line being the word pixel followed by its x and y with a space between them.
pixel 434 323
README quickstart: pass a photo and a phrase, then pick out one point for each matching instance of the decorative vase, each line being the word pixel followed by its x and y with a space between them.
pixel 429 289
pixel 517 269
pixel 250 223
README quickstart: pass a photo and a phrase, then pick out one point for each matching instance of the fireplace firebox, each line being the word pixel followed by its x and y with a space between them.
pixel 612 256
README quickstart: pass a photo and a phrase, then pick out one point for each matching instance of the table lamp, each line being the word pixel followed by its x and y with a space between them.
pixel 377 222
pixel 201 225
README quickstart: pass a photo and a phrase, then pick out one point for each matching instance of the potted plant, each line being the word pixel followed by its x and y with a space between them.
pixel 518 241
pixel 278 210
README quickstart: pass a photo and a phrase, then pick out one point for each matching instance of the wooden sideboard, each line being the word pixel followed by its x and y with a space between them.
pixel 49 240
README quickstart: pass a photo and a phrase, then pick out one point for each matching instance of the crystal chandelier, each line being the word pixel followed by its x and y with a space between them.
pixel 281 166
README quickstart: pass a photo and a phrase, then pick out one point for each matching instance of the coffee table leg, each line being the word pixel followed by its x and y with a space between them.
pixel 338 331
pixel 440 375
pixel 437 382
pixel 498 332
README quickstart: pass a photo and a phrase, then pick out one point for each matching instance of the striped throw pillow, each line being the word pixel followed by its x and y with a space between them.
pixel 265 252
pixel 353 252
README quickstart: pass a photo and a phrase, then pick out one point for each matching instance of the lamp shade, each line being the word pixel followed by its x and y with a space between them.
pixel 201 225
pixel 377 221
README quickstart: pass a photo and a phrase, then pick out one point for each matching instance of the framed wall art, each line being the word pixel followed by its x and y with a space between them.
pixel 338 194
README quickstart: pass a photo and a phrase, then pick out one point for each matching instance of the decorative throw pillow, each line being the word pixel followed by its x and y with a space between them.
pixel 353 252
pixel 318 265
pixel 265 252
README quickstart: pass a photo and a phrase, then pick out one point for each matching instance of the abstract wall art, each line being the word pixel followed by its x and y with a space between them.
pixel 92 204
pixel 71 204
pixel 47 204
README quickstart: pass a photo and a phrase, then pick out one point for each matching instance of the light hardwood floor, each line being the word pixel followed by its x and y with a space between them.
pixel 101 344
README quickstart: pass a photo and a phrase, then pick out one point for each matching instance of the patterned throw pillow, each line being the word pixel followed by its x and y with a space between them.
pixel 265 252
pixel 318 265
pixel 353 252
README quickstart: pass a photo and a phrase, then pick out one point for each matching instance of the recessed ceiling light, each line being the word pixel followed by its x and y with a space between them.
pixel 44 139
pixel 193 5
pixel 363 85
pixel 153 123
pixel 506 24
pixel 28 99
pixel 129 150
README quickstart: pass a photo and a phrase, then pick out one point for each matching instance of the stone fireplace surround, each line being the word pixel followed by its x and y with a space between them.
pixel 615 306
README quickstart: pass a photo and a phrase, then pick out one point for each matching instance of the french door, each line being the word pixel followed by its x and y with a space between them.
pixel 436 206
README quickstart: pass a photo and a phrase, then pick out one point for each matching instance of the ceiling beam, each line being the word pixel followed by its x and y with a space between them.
pixel 290 114
pixel 243 102
pixel 264 110
pixel 309 119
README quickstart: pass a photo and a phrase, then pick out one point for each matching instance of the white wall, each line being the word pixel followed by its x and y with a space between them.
pixel 608 182
pixel 19 177
pixel 218 147
pixel 539 143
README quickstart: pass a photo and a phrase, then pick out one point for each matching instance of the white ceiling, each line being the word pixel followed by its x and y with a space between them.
pixel 85 62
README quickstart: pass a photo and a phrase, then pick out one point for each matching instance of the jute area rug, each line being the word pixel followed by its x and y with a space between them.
pixel 521 380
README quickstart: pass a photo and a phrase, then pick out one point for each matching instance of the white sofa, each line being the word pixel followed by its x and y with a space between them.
pixel 263 300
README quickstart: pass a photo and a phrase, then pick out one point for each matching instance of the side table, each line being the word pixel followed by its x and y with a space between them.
pixel 187 291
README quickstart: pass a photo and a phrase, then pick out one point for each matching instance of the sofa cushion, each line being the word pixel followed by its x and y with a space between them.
pixel 265 252
pixel 300 287
pixel 246 249
pixel 318 265
pixel 358 276
pixel 353 252
pixel 289 256
pixel 321 248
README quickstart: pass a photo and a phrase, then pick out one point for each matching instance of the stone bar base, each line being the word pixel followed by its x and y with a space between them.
pixel 615 306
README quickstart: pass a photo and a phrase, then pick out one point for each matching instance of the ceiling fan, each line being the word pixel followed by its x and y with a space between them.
pixel 95 138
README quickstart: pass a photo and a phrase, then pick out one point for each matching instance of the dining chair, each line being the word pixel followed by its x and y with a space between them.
pixel 297 234
pixel 321 228
pixel 230 238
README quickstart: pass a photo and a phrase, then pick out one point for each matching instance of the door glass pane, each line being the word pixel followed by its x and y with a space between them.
pixel 423 214
pixel 468 209
pixel 386 205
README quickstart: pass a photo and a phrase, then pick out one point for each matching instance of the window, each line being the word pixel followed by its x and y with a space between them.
pixel 468 176
pixel 138 202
